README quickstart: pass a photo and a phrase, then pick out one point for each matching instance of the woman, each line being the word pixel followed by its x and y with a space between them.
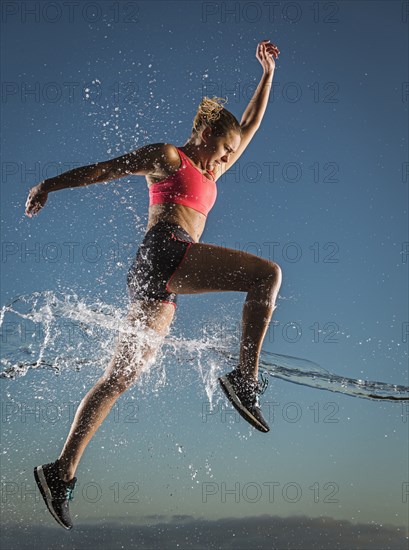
pixel 171 261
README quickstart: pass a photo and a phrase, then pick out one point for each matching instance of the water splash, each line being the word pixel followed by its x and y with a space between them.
pixel 55 331
pixel 307 373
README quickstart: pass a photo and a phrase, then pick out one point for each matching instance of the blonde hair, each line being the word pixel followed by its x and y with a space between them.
pixel 212 113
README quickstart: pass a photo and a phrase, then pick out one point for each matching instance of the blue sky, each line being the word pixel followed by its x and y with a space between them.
pixel 322 189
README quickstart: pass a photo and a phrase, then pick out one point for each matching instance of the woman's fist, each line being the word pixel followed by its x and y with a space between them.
pixel 35 201
pixel 266 54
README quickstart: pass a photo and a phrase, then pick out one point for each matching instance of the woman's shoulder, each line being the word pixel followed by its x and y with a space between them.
pixel 171 153
pixel 167 160
pixel 166 152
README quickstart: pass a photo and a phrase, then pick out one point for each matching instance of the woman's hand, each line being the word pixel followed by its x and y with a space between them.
pixel 36 199
pixel 266 54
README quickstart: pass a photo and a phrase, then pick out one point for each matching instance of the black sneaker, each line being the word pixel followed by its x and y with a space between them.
pixel 55 492
pixel 243 394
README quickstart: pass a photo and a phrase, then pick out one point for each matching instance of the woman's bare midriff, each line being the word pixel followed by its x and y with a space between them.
pixel 192 221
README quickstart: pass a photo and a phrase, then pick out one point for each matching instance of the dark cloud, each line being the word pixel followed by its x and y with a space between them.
pixel 184 532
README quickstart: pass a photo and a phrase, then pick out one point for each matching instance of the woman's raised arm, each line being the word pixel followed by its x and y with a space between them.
pixel 253 115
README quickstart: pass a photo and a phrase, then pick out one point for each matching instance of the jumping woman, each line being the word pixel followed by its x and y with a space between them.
pixel 172 261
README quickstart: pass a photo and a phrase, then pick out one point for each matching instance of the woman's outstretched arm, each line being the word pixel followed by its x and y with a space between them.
pixel 143 161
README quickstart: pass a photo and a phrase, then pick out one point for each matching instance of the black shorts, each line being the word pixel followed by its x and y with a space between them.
pixel 162 251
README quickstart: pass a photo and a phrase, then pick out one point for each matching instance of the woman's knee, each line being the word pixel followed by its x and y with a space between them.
pixel 267 283
pixel 270 275
pixel 278 274
pixel 115 384
pixel 129 362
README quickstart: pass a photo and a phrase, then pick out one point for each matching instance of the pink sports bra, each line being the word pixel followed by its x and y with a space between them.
pixel 187 186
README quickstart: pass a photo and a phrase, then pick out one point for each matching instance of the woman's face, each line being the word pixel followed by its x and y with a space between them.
pixel 218 149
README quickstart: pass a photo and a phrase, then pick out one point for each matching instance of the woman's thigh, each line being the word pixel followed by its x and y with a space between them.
pixel 139 340
pixel 152 314
pixel 211 268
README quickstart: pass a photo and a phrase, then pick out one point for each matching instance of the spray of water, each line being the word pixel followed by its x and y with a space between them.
pixel 56 331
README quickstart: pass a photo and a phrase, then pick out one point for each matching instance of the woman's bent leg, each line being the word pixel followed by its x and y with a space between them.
pixel 209 268
pixel 133 353
pixel 257 312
